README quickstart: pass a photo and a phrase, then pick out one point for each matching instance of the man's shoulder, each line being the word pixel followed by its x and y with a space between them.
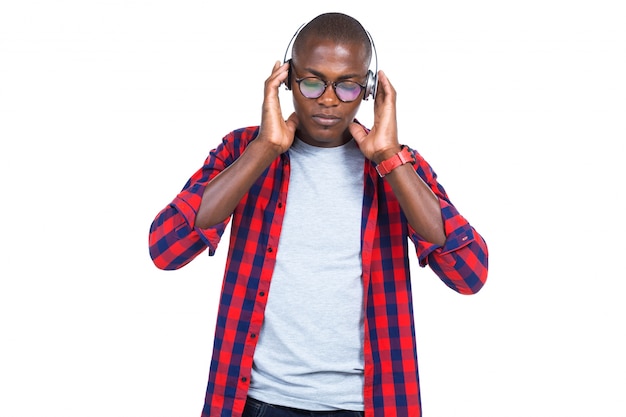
pixel 237 140
pixel 244 134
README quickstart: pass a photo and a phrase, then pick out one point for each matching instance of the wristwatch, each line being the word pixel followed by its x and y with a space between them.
pixel 403 157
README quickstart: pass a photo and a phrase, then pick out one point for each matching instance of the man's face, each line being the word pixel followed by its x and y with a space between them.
pixel 324 120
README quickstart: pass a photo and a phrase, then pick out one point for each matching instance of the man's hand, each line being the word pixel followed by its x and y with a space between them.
pixel 274 130
pixel 382 140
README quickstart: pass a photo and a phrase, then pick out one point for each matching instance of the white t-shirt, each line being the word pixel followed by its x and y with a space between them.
pixel 310 350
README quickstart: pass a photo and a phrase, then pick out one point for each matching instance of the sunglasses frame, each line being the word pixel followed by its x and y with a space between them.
pixel 326 83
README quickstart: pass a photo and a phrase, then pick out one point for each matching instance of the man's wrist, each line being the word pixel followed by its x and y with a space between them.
pixel 386 153
pixel 397 159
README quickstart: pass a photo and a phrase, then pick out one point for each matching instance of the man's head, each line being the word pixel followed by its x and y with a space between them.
pixel 336 49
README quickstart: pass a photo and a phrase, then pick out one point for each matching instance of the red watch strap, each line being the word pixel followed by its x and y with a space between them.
pixel 401 158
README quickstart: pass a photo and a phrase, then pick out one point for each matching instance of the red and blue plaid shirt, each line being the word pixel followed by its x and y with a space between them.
pixel 391 385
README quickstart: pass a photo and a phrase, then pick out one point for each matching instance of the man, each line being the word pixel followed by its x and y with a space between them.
pixel 315 314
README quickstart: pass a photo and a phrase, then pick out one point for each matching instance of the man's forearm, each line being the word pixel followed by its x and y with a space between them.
pixel 225 191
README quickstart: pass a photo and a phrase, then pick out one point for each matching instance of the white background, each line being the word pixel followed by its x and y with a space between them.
pixel 107 107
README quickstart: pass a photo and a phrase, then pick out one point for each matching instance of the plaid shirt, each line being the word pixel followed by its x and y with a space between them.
pixel 391 385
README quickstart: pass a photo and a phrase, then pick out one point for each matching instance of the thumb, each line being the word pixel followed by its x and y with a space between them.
pixel 358 132
pixel 292 121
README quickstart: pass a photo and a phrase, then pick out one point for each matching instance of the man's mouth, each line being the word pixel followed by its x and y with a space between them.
pixel 326 119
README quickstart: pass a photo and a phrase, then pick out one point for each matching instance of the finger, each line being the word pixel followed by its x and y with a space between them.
pixel 279 74
pixel 273 81
pixel 382 76
pixel 386 84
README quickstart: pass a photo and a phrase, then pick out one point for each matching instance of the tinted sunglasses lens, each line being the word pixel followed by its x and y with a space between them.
pixel 312 87
pixel 348 91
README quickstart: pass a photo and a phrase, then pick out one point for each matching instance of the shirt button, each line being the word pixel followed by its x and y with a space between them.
pixel 270 250
pixel 262 293
pixel 280 205
pixel 244 379
pixel 253 335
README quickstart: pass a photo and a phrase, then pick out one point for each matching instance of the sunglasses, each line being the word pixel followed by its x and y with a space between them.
pixel 313 87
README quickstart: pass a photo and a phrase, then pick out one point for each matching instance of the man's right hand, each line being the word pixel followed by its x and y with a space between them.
pixel 274 130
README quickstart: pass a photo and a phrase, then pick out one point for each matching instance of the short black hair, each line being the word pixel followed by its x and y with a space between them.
pixel 334 26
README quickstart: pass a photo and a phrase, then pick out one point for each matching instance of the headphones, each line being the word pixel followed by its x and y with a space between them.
pixel 371 84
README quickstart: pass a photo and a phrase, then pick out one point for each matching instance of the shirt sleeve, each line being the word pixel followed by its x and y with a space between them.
pixel 174 241
pixel 462 262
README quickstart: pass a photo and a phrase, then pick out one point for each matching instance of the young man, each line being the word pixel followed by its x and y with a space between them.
pixel 315 314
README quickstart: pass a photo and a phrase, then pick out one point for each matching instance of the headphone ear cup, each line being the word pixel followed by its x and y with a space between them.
pixel 370 85
pixel 288 80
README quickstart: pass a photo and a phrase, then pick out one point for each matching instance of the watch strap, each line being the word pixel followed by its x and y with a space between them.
pixel 403 157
